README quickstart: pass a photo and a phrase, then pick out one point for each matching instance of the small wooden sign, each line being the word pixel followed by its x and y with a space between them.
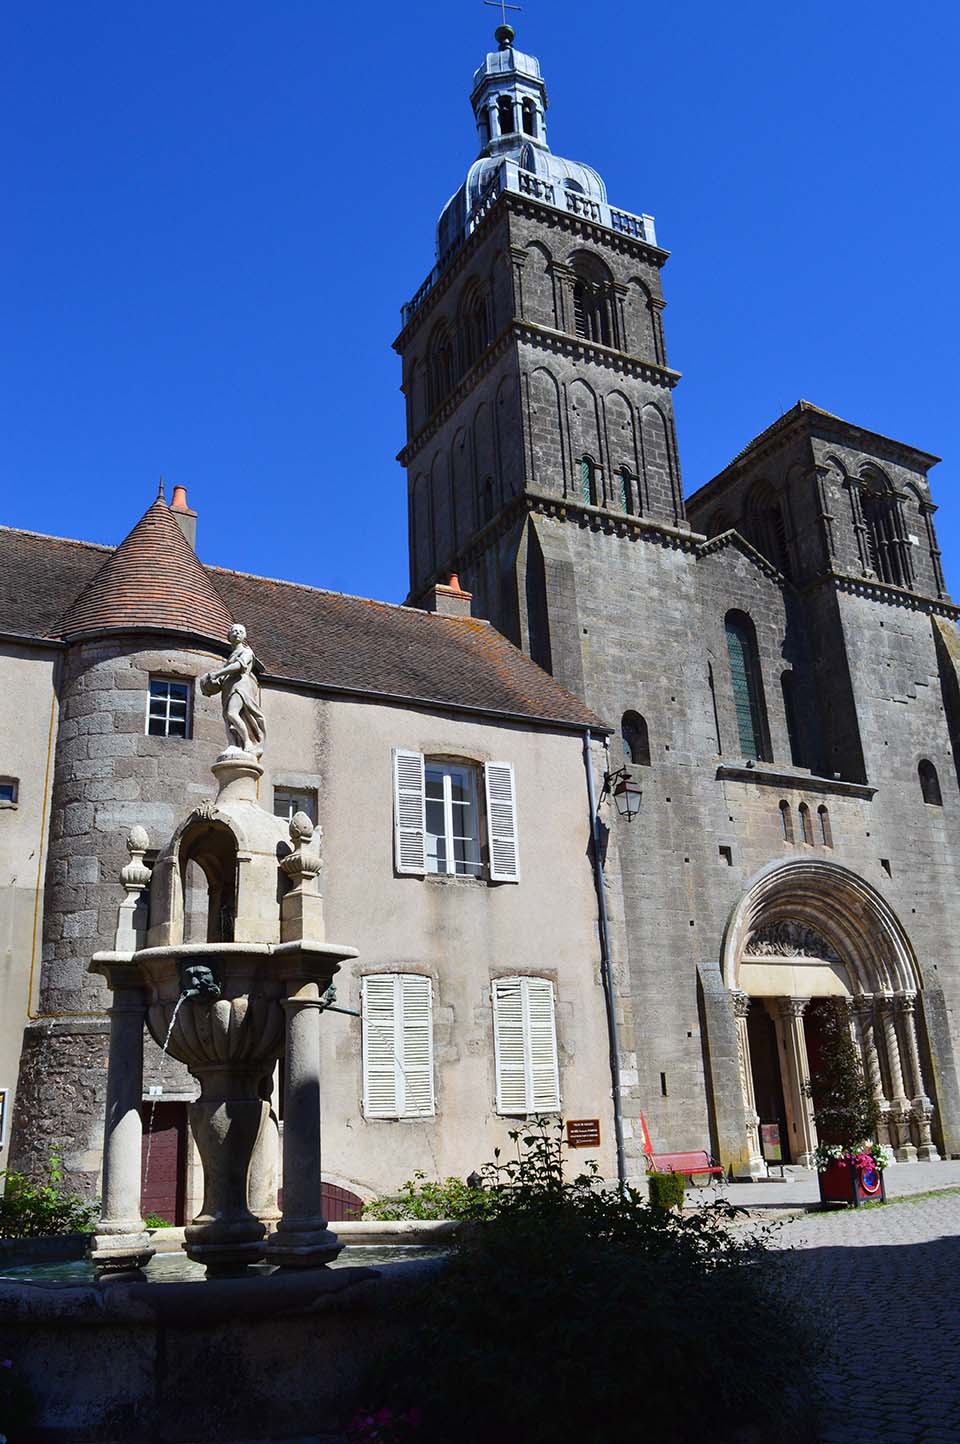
pixel 770 1142
pixel 583 1132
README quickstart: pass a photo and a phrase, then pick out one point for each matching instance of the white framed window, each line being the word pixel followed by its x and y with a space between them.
pixel 168 708
pixel 452 818
pixel 9 791
pixel 525 1046
pixel 288 800
pixel 396 1012
pixel 438 820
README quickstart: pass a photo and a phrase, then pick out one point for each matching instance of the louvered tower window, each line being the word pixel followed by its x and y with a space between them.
pixel 747 686
pixel 396 1012
pixel 525 1046
pixel 626 499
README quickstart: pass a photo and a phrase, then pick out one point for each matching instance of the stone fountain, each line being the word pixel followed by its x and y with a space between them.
pixel 228 1008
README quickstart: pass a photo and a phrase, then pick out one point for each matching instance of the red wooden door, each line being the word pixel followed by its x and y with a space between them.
pixel 339 1204
pixel 163 1185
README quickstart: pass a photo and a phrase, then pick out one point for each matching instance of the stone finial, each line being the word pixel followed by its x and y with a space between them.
pixel 135 876
pixel 301 909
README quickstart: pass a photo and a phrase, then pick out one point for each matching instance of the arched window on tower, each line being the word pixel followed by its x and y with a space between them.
pixel 486 499
pixel 529 111
pixel 765 526
pixel 625 486
pixel 786 821
pixel 505 115
pixel 439 366
pixel 474 324
pixel 883 520
pixel 588 482
pixel 930 784
pixel 636 739
pixel 483 125
pixel 747 685
pixel 592 300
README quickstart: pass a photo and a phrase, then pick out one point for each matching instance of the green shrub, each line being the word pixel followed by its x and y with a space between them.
pixel 36 1210
pixel 666 1190
pixel 578 1312
pixel 153 1220
pixel 420 1198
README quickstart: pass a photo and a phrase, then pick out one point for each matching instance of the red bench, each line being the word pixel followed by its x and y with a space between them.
pixel 692 1164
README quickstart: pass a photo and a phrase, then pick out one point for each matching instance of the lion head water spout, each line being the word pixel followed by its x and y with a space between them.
pixel 228 1008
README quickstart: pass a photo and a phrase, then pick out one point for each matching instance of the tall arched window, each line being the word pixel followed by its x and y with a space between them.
pixel 486 499
pixel 806 824
pixel 826 831
pixel 529 118
pixel 786 821
pixel 765 526
pixel 747 685
pixel 474 325
pixel 439 366
pixel 505 115
pixel 625 487
pixel 886 542
pixel 930 784
pixel 588 482
pixel 592 300
pixel 636 739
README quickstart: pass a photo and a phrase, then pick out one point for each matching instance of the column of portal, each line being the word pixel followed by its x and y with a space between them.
pixel 922 1110
pixel 796 1074
pixel 899 1103
pixel 864 1011
pixel 755 1166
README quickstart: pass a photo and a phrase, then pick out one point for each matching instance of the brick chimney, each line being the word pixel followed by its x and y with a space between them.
pixel 450 600
pixel 186 518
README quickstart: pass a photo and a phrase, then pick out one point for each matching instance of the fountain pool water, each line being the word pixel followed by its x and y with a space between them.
pixel 177 1268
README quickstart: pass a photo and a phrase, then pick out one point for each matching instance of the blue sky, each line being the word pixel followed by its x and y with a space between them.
pixel 214 212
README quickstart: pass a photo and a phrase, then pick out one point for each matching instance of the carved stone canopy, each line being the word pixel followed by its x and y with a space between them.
pixel 789 939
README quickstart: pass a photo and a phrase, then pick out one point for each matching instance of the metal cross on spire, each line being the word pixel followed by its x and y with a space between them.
pixel 503 7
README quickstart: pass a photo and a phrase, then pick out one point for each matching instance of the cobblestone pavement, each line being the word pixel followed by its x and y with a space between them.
pixel 888 1276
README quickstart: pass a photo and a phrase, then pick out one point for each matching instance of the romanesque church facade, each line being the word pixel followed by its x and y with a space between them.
pixel 766 670
pixel 777 653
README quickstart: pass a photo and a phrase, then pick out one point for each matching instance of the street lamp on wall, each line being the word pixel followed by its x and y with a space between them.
pixel 626 793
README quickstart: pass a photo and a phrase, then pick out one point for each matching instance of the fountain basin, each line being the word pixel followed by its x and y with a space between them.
pixel 223 1360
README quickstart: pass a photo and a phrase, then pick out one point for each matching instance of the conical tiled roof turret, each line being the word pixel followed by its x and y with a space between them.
pixel 152 582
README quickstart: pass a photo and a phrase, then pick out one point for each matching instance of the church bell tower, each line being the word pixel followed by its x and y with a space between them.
pixel 537 387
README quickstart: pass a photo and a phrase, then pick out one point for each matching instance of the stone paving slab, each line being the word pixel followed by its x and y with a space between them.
pixel 881 1284
pixel 798 1189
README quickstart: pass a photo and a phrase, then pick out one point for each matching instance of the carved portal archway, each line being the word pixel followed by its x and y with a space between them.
pixel 809 929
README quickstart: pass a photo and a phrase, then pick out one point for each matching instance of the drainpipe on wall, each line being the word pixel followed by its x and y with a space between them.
pixel 613 1032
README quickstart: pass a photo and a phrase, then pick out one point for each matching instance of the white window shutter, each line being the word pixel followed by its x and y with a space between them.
pixel 409 812
pixel 541 1035
pixel 508 1046
pixel 416 1046
pixel 379 1025
pixel 502 822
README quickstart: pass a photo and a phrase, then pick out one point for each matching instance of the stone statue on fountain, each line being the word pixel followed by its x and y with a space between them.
pixel 237 685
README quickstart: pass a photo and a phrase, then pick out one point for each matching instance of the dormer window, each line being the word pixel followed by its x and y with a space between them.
pixel 505 116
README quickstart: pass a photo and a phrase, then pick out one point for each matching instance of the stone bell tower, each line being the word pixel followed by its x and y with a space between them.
pixel 535 375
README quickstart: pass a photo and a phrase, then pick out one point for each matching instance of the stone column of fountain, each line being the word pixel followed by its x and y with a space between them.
pixel 230 1006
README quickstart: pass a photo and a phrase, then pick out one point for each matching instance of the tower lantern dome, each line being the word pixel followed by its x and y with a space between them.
pixel 509 100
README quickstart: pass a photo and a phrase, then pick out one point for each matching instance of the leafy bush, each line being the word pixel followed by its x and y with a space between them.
pixel 35 1210
pixel 420 1198
pixel 153 1220
pixel 666 1189
pixel 576 1312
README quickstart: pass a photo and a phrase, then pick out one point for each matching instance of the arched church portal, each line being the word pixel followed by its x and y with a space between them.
pixel 804 933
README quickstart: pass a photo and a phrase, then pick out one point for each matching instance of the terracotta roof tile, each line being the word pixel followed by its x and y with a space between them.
pixel 300 633
pixel 153 580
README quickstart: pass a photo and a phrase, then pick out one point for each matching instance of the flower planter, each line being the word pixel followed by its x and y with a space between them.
pixel 848 1182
